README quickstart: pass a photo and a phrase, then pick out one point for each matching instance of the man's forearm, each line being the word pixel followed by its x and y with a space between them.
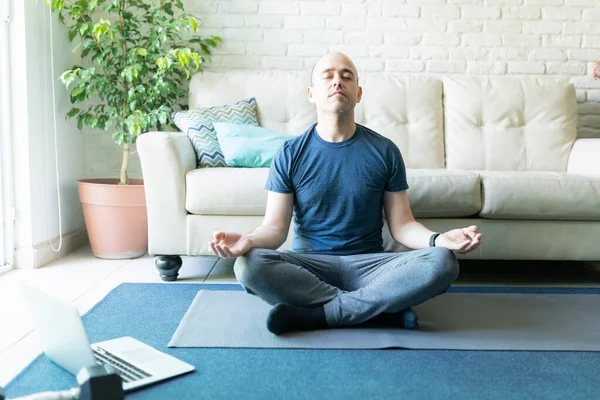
pixel 267 237
pixel 413 235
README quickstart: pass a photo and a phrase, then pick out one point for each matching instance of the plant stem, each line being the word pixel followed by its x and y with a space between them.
pixel 125 165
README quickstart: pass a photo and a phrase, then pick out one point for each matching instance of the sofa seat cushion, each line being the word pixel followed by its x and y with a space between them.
pixel 540 195
pixel 240 191
pixel 436 193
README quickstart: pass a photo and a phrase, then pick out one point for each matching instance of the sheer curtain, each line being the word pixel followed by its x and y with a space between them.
pixel 5 143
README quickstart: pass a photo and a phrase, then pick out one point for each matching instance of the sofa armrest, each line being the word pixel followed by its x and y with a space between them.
pixel 166 157
pixel 585 157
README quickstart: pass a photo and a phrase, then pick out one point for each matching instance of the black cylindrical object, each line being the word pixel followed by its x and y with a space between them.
pixel 97 384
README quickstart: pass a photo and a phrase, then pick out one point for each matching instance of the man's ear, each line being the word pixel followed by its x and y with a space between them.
pixel 309 93
pixel 359 94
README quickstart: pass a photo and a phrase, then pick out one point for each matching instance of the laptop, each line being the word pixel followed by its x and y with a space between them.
pixel 65 341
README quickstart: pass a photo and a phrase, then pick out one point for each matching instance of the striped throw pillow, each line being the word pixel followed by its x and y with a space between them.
pixel 197 124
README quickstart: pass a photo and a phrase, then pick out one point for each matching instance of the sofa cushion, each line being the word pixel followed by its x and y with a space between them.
pixel 240 191
pixel 438 193
pixel 197 123
pixel 407 110
pixel 540 195
pixel 249 146
pixel 514 124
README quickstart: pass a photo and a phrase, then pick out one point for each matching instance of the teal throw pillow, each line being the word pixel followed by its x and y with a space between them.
pixel 248 146
pixel 197 124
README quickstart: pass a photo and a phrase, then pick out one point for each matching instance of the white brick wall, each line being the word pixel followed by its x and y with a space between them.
pixel 558 38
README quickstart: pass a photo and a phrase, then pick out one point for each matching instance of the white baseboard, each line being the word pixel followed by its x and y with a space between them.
pixel 42 254
pixel 5 268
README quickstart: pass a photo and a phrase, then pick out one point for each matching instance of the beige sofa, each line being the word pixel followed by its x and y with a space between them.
pixel 497 152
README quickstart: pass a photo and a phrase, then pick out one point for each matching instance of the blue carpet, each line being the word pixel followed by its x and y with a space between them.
pixel 151 313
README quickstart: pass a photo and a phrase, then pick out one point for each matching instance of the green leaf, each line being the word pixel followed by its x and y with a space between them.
pixel 72 33
pixel 76 11
pixel 55 5
pixel 91 121
pixel 101 28
pixel 162 63
pixel 72 112
pixel 143 123
pixel 194 23
pixel 142 52
pixel 76 92
pixel 162 117
pixel 67 77
pixel 197 61
pixel 119 138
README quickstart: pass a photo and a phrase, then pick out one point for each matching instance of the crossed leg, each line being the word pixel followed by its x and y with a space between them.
pixel 312 291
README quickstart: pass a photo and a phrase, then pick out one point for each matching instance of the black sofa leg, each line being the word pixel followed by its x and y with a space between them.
pixel 168 267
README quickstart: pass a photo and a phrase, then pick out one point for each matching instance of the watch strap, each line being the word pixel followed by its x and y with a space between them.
pixel 432 239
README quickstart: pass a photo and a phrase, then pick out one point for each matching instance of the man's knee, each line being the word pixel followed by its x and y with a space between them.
pixel 250 268
pixel 445 265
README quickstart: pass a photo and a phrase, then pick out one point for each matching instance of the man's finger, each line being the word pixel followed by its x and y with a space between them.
pixel 211 247
pixel 220 251
pixel 463 245
pixel 469 233
pixel 228 252
pixel 472 246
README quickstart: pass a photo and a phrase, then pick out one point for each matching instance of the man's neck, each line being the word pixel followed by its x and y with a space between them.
pixel 336 128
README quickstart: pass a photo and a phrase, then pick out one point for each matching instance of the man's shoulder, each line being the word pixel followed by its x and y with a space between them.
pixel 374 137
pixel 373 134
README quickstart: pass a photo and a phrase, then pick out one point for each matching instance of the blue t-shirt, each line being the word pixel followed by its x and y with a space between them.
pixel 338 189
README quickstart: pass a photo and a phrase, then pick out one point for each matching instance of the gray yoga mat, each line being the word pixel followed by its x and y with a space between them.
pixel 461 321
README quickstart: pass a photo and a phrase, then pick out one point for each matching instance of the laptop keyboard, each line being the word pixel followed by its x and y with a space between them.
pixel 127 371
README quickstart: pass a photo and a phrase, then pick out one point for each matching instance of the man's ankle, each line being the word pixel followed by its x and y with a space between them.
pixel 287 318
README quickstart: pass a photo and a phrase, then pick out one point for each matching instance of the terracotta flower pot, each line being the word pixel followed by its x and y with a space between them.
pixel 115 217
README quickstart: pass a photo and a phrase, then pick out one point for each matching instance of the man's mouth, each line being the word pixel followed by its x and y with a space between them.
pixel 336 93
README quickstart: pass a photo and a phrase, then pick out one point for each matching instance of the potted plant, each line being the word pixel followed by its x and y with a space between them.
pixel 136 62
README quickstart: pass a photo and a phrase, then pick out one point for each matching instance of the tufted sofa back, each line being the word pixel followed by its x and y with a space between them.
pixel 489 123
pixel 509 124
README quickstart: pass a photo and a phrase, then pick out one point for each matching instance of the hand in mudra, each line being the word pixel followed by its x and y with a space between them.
pixel 229 244
pixel 461 240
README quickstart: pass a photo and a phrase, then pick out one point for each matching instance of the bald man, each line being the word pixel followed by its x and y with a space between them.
pixel 337 176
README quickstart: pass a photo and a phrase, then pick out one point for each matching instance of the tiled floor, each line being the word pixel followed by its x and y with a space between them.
pixel 84 280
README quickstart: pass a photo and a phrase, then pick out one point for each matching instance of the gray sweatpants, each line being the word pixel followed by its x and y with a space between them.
pixel 352 289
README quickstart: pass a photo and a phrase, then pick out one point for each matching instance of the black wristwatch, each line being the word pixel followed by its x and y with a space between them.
pixel 432 239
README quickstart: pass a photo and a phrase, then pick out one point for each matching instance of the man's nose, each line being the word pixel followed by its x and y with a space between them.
pixel 336 81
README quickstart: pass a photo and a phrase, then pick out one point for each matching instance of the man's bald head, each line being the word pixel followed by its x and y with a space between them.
pixel 334 85
pixel 321 65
